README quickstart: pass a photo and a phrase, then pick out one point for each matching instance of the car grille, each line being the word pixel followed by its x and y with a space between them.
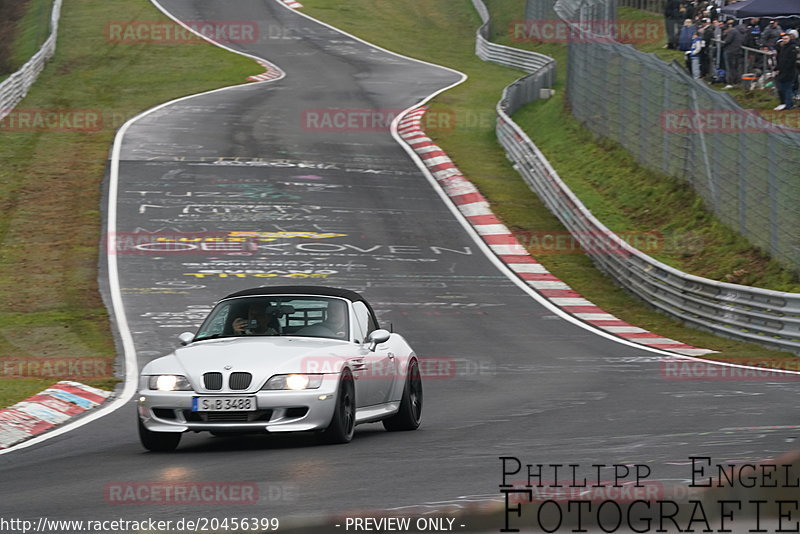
pixel 227 417
pixel 239 381
pixel 212 381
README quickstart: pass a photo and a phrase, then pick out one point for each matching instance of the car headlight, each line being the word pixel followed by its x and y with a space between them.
pixel 295 382
pixel 169 383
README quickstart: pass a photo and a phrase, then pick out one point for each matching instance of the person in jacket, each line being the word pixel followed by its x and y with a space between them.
pixel 672 20
pixel 693 55
pixel 753 37
pixel 771 34
pixel 685 35
pixel 706 32
pixel 734 55
pixel 786 72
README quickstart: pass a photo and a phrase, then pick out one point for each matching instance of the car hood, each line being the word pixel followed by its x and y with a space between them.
pixel 261 356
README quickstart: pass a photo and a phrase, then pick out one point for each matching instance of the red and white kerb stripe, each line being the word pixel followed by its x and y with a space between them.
pixel 271 73
pixel 51 407
pixel 506 246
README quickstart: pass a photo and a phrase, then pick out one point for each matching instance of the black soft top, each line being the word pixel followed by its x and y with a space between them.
pixel 300 290
pixel 305 290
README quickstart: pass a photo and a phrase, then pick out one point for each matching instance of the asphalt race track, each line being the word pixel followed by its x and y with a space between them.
pixel 528 383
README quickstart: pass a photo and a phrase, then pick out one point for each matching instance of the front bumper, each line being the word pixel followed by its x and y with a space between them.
pixel 277 410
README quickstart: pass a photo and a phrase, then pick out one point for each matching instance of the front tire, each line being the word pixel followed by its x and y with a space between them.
pixel 409 416
pixel 158 441
pixel 343 422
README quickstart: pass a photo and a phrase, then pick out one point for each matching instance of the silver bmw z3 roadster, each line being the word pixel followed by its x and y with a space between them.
pixel 282 359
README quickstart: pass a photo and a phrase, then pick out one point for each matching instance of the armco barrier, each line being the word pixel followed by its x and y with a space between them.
pixel 15 87
pixel 770 318
pixel 507 55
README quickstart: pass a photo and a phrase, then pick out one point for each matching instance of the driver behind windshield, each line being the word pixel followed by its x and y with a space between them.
pixel 258 321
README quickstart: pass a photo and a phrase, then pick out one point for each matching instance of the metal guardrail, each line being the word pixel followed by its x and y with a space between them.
pixel 770 318
pixel 767 317
pixel 14 88
pixel 744 171
pixel 505 55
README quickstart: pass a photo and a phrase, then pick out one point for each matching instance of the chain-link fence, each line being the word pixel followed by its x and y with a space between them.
pixel 15 87
pixel 771 318
pixel 746 168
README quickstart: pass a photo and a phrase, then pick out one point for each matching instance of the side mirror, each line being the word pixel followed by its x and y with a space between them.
pixel 376 337
pixel 186 338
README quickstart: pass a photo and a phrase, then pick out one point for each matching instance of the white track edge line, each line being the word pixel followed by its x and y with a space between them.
pixel 502 267
pixel 129 350
pixel 474 235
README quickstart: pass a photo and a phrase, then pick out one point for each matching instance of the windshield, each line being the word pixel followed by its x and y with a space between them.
pixel 323 317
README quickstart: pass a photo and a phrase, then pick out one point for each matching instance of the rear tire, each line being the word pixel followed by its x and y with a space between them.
pixel 409 415
pixel 343 422
pixel 158 441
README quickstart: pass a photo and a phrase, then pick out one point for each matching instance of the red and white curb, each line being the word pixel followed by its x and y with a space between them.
pixel 52 407
pixel 272 73
pixel 291 3
pixel 506 246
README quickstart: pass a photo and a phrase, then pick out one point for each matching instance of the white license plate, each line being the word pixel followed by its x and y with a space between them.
pixel 224 404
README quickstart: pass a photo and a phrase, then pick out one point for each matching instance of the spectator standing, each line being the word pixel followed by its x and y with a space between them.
pixel 727 28
pixel 771 34
pixel 689 10
pixel 672 21
pixel 786 73
pixel 753 38
pixel 714 50
pixel 706 32
pixel 693 55
pixel 732 46
pixel 685 35
pixel 716 28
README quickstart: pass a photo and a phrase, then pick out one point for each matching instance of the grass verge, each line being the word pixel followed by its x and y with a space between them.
pixel 443 32
pixel 34 29
pixel 629 198
pixel 50 180
pixel 24 27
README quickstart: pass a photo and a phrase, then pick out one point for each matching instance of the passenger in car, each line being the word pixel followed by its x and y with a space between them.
pixel 334 325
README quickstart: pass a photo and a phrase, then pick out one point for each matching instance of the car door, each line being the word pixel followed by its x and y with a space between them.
pixel 379 373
